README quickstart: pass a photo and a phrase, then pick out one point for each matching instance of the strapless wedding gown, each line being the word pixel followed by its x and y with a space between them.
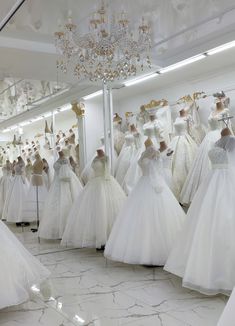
pixel 126 157
pixel 185 149
pixel 19 270
pixel 201 163
pixel 204 253
pixel 154 131
pixel 147 225
pixel 5 184
pixel 63 191
pixel 16 196
pixel 93 213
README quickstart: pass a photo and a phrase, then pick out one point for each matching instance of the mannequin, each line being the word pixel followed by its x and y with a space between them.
pixel 28 169
pixel 37 193
pixel 154 129
pixel 184 148
pixel 5 183
pixel 145 228
pixel 89 225
pixel 166 156
pixel 63 191
pixel 118 135
pixel 200 254
pixel 12 210
pixel 71 137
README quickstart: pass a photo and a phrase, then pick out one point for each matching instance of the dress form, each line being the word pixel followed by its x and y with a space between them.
pixel 154 129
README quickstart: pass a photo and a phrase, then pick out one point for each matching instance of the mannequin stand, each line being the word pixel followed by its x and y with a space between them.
pixel 37 208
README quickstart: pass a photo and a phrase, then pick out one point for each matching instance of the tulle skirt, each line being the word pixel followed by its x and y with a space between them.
pixel 5 184
pixel 204 254
pixel 16 196
pixel 34 203
pixel 146 227
pixel 199 169
pixel 93 213
pixel 19 270
pixel 57 207
pixel 184 148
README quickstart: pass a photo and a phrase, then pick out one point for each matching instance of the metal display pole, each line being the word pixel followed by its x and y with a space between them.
pixel 110 95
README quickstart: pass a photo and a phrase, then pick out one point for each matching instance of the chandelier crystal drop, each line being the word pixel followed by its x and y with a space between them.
pixel 109 51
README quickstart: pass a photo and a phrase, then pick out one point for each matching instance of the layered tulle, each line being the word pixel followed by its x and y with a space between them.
pixel 33 204
pixel 16 196
pixel 19 270
pixel 204 254
pixel 93 213
pixel 146 227
pixel 57 206
pixel 5 184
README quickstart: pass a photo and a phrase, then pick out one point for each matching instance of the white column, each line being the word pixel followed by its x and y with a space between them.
pixel 106 119
pixel 53 145
pixel 79 110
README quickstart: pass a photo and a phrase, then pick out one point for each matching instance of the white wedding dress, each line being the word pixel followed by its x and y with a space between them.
pixel 16 196
pixel 5 184
pixel 94 211
pixel 19 270
pixel 153 130
pixel 147 225
pixel 126 156
pixel 185 149
pixel 201 163
pixel 63 191
pixel 204 254
pixel 118 137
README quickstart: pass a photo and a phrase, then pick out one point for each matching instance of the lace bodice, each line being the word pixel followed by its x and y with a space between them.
pixel 214 117
pixel 99 166
pixel 57 165
pixel 218 157
pixel 19 168
pixel 180 126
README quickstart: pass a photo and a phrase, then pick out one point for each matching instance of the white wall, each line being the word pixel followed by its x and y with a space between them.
pixel 65 120
pixel 210 83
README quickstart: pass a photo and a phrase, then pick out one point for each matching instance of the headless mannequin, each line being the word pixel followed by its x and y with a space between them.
pixel 219 106
pixel 183 113
pixel 148 142
pixel 100 153
pixel 37 171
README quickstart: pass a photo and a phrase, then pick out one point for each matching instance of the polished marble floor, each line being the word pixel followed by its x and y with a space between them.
pixel 86 290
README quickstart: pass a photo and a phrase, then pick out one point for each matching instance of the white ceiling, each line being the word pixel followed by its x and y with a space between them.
pixel 181 28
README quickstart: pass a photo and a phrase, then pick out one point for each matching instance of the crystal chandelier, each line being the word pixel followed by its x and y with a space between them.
pixel 109 51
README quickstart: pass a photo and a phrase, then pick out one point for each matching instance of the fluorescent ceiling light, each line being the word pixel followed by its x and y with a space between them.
pixel 66 108
pixel 47 115
pixel 88 97
pixel 13 127
pixel 183 63
pixel 140 79
pixel 25 123
pixel 221 48
pixel 6 130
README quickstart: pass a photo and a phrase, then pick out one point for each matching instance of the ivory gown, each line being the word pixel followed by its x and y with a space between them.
pixel 204 253
pixel 63 191
pixel 19 270
pixel 94 211
pixel 148 223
